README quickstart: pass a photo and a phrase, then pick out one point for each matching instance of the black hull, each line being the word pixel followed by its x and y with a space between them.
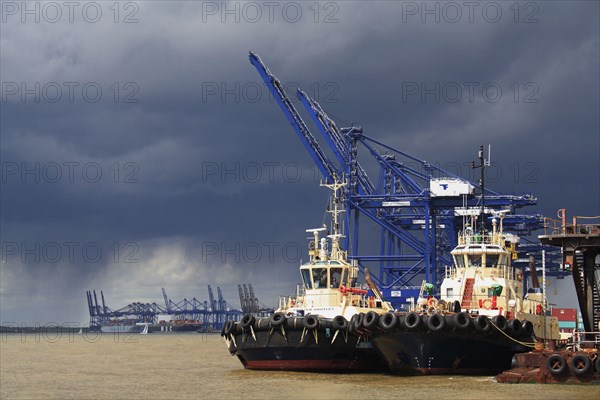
pixel 446 353
pixel 304 350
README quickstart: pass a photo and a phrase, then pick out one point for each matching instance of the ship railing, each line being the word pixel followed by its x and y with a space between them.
pixel 290 301
pixel 477 238
pixel 560 227
pixel 581 339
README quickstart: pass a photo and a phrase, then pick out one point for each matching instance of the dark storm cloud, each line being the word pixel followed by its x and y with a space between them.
pixel 179 137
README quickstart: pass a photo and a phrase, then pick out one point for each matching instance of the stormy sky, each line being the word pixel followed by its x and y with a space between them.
pixel 140 148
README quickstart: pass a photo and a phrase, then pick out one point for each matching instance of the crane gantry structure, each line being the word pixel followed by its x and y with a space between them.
pixel 212 314
pixel 418 206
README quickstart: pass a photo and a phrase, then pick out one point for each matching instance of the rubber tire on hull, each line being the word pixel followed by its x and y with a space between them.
pixel 483 325
pixel 371 320
pixel 311 321
pixel 339 323
pixel 527 329
pixel 436 323
pixel 247 321
pixel 356 322
pixel 278 319
pixel 500 322
pixel 515 328
pixel 228 328
pixel 413 322
pixel 462 322
pixel 597 364
pixel 556 364
pixel 580 364
pixel 388 321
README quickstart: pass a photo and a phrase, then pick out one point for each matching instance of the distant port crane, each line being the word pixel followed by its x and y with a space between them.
pixel 212 314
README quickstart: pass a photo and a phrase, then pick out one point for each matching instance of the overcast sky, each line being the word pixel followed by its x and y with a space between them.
pixel 140 148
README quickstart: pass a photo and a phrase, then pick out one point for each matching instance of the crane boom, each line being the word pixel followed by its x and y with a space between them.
pixel 167 306
pixel 330 173
pixel 336 141
pixel 211 298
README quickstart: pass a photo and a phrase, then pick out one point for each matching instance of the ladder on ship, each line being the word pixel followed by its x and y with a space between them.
pixel 467 299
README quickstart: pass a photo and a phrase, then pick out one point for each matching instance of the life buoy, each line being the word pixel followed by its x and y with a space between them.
pixel 556 364
pixel 432 302
pixel 388 321
pixel 487 304
pixel 580 364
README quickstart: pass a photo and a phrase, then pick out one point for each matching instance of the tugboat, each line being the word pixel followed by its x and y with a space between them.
pixel 480 320
pixel 321 327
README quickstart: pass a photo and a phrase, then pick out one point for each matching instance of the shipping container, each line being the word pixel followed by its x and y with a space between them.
pixel 565 314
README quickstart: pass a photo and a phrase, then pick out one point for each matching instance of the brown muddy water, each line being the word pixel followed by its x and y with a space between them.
pixel 198 366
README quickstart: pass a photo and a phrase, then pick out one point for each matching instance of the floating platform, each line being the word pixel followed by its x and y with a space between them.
pixel 554 366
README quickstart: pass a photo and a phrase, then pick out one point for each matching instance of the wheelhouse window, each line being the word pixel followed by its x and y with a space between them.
pixel 335 278
pixel 459 261
pixel 320 277
pixel 475 260
pixel 491 260
pixel 306 278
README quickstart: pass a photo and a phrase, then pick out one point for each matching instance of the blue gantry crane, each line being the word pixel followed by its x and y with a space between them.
pixel 211 315
pixel 418 206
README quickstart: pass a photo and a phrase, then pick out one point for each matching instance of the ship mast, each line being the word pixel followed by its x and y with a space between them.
pixel 482 164
pixel 336 229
